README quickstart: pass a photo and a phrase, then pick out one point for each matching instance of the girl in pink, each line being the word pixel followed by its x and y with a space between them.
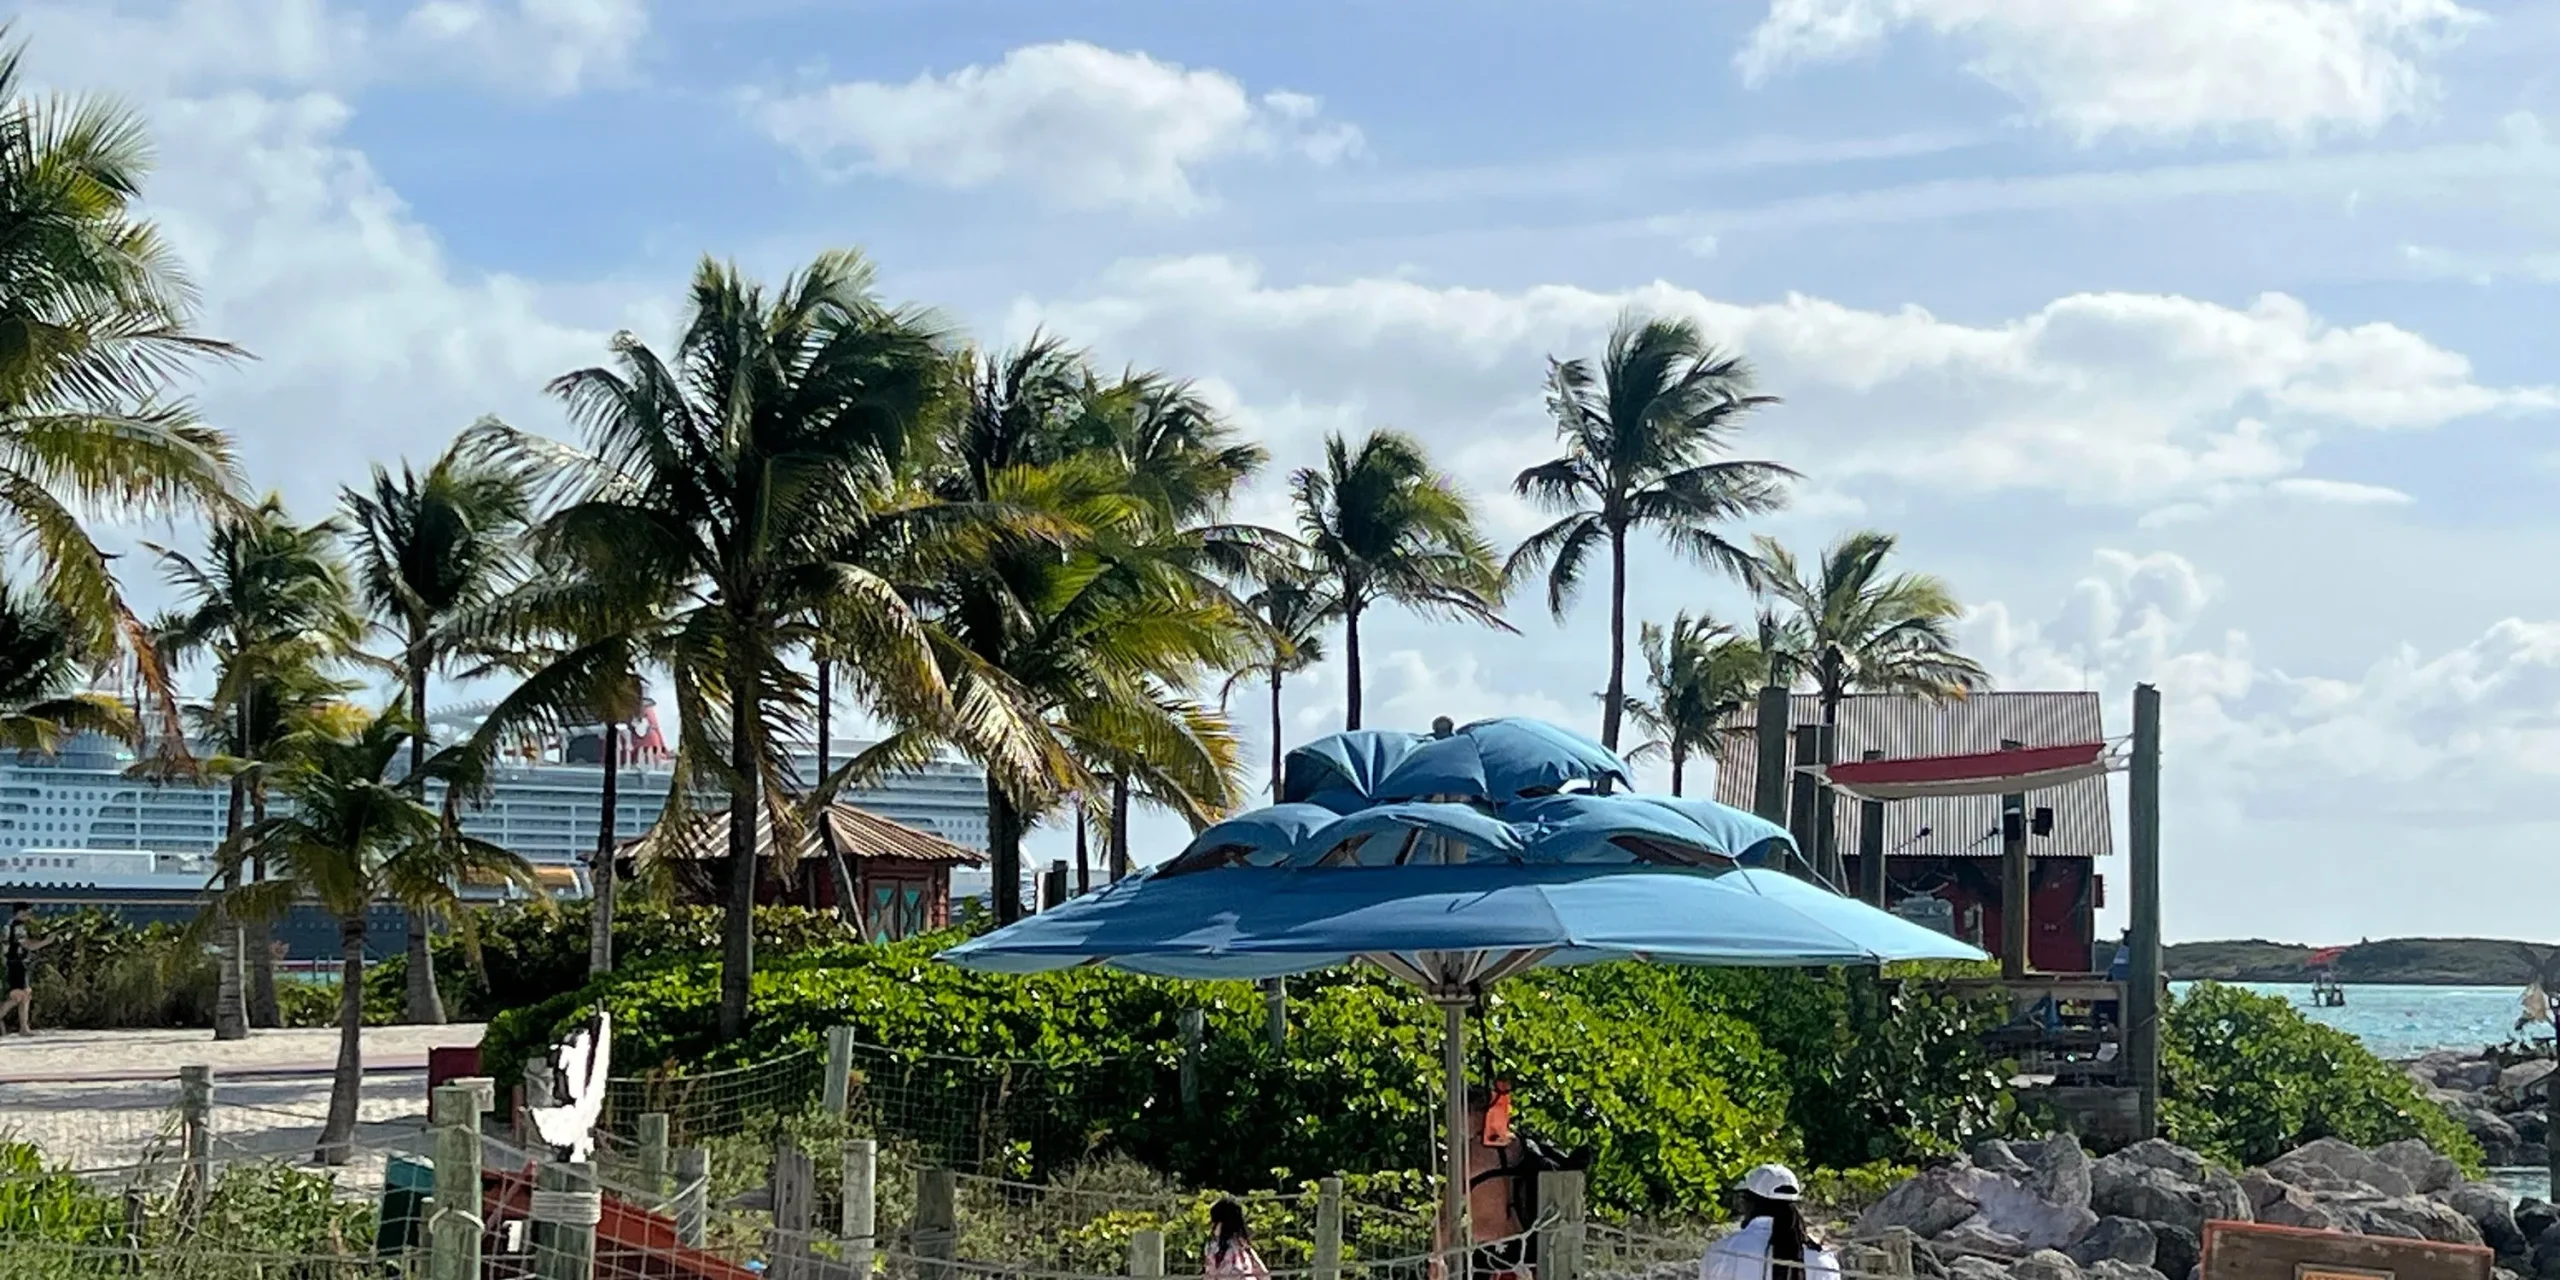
pixel 1230 1255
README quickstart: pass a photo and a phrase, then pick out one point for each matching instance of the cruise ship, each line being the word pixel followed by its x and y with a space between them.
pixel 57 810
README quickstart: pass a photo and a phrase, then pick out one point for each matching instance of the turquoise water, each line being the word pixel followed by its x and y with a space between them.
pixel 2403 1022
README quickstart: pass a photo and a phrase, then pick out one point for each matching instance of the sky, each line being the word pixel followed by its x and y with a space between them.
pixel 2198 342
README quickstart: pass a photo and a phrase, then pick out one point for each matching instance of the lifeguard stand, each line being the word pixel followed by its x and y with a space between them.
pixel 2326 992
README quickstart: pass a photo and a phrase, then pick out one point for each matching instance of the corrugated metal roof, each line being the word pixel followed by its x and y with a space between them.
pixel 1960 826
pixel 858 832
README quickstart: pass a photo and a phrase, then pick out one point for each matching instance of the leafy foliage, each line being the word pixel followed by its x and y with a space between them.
pixel 264 1208
pixel 2247 1077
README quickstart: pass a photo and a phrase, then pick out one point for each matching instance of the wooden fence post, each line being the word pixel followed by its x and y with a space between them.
pixel 653 1156
pixel 1146 1255
pixel 937 1229
pixel 195 1112
pixel 1275 1012
pixel 1194 1029
pixel 861 1223
pixel 1560 1229
pixel 1328 1263
pixel 565 1211
pixel 454 1223
pixel 795 1194
pixel 693 1194
pixel 839 1081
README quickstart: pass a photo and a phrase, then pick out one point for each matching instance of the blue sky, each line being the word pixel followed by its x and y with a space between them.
pixel 2204 342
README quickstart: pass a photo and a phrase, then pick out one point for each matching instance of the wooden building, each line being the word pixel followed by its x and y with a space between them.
pixel 900 876
pixel 1943 853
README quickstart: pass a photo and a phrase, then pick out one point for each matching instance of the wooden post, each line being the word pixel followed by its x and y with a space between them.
pixel 937 1229
pixel 1872 882
pixel 534 1092
pixel 1803 789
pixel 2142 974
pixel 1275 1012
pixel 653 1156
pixel 1561 1211
pixel 693 1195
pixel 1328 1262
pixel 1768 759
pixel 195 1114
pixel 1194 1029
pixel 795 1195
pixel 1827 863
pixel 839 1081
pixel 861 1225
pixel 454 1223
pixel 1053 886
pixel 1146 1255
pixel 2017 881
pixel 564 1211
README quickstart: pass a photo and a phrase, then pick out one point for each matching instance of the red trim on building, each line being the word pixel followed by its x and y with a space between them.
pixel 1986 773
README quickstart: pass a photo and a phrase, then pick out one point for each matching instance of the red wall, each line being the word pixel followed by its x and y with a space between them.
pixel 2062 907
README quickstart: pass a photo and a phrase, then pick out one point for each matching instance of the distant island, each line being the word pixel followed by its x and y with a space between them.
pixel 2421 961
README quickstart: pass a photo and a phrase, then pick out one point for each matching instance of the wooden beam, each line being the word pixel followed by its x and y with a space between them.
pixel 2017 881
pixel 1871 877
pixel 1768 759
pixel 2142 998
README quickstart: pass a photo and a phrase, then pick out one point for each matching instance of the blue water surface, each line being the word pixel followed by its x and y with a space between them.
pixel 2403 1022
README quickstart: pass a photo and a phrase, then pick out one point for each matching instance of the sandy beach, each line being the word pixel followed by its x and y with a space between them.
pixel 106 1100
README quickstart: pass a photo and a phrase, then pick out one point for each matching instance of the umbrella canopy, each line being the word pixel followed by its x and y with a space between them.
pixel 1453 863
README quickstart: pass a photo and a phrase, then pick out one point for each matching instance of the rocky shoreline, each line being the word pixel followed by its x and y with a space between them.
pixel 2502 1101
pixel 2046 1210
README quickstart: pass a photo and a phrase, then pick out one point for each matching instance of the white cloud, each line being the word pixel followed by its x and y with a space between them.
pixel 1084 126
pixel 2157 68
pixel 2140 400
pixel 2344 493
pixel 549 46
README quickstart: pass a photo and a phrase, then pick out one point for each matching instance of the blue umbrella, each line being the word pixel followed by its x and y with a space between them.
pixel 1455 863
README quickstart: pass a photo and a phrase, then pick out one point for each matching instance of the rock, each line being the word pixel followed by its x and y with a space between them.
pixel 2045 1264
pixel 2160 1153
pixel 2117 1240
pixel 2546 1264
pixel 2162 1192
pixel 2012 1209
pixel 2533 1217
pixel 1926 1264
pixel 2286 1205
pixel 2113 1269
pixel 1929 1204
pixel 2413 1218
pixel 1972 1268
pixel 1974 1237
pixel 2498 1139
pixel 2470 1077
pixel 2058 1169
pixel 2177 1249
pixel 2426 1171
pixel 2532 1126
pixel 2489 1212
pixel 2533 1155
pixel 2515 1080
pixel 2329 1160
pixel 1994 1155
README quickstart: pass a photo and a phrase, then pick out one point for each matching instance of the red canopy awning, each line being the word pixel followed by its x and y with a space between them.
pixel 1987 773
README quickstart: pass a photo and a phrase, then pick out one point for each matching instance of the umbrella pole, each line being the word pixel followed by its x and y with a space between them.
pixel 1453 1206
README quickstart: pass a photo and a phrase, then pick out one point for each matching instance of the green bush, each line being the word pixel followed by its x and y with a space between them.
pixel 2246 1078
pixel 262 1208
pixel 100 972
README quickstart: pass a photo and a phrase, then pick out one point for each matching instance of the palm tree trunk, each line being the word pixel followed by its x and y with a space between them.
pixel 1121 866
pixel 426 1003
pixel 848 891
pixel 1004 850
pixel 738 929
pixel 1679 763
pixel 260 934
pixel 1613 703
pixel 337 1136
pixel 600 877
pixel 1279 753
pixel 1084 860
pixel 1351 666
pixel 1826 818
pixel 230 994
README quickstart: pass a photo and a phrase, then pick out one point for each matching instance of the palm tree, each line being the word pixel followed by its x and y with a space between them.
pixel 1643 434
pixel 1381 525
pixel 432 549
pixel 1699 673
pixel 271 604
pixel 753 475
pixel 351 835
pixel 1852 625
pixel 1096 627
pixel 42 669
pixel 94 320
pixel 1293 614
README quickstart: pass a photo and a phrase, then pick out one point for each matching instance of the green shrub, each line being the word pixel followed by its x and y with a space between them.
pixel 2246 1078
pixel 100 972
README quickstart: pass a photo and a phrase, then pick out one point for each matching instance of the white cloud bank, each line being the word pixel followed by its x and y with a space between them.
pixel 1083 126
pixel 2153 68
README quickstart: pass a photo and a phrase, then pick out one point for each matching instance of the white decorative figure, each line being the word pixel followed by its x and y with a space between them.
pixel 581 1066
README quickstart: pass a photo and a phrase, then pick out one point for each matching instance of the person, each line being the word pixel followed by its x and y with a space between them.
pixel 1230 1255
pixel 1773 1232
pixel 21 947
